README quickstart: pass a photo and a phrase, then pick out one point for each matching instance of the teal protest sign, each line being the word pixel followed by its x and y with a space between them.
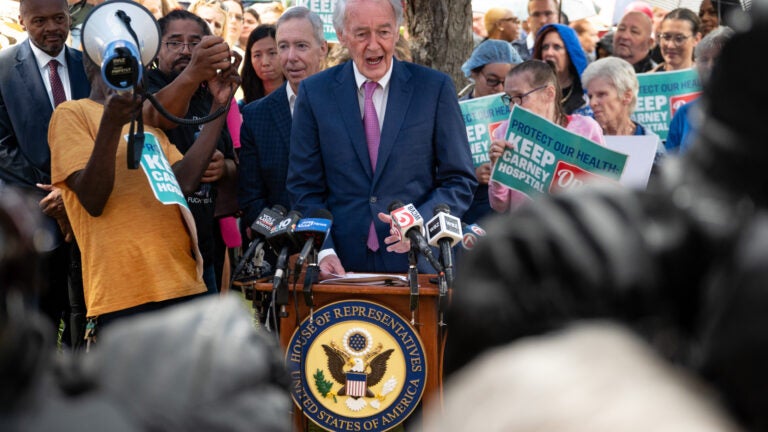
pixel 548 158
pixel 324 8
pixel 159 173
pixel 481 117
pixel 661 95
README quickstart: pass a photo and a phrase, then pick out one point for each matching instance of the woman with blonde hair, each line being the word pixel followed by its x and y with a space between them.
pixel 213 12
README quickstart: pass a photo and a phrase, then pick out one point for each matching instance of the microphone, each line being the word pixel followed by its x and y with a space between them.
pixel 471 234
pixel 313 231
pixel 444 231
pixel 282 240
pixel 261 228
pixel 407 222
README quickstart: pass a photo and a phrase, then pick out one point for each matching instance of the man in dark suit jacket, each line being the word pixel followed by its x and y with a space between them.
pixel 26 105
pixel 266 131
pixel 423 156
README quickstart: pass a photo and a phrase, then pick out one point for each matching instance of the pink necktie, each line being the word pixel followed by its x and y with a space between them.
pixel 57 88
pixel 373 137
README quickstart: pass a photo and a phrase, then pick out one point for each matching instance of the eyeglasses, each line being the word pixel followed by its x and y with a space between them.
pixel 176 46
pixel 518 100
pixel 677 39
pixel 492 81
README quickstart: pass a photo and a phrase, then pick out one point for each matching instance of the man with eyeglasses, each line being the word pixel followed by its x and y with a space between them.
pixel 540 13
pixel 633 39
pixel 189 58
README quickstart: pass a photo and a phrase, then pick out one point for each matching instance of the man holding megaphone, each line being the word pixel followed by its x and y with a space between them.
pixel 133 225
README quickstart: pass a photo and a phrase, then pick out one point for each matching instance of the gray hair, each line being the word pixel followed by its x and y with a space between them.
pixel 339 11
pixel 714 39
pixel 301 12
pixel 618 72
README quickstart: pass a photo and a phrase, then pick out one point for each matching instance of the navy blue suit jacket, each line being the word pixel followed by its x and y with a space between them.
pixel 264 143
pixel 423 158
pixel 25 111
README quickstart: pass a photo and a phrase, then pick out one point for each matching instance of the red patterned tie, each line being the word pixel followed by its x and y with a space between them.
pixel 57 88
pixel 373 137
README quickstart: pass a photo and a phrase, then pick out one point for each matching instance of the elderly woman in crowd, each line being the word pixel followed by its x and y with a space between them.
pixel 678 36
pixel 559 44
pixel 488 67
pixel 534 86
pixel 707 52
pixel 612 88
pixel 262 72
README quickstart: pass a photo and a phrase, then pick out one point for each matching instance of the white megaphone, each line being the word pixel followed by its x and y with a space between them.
pixel 122 37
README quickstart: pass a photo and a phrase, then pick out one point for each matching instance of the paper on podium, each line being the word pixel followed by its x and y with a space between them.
pixel 367 279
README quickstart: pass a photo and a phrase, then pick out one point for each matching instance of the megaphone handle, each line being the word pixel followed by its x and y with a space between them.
pixel 135 142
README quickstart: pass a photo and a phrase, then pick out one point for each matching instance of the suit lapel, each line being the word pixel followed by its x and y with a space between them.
pixel 78 82
pixel 400 93
pixel 345 93
pixel 28 73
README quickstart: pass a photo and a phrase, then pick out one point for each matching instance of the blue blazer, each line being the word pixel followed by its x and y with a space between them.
pixel 423 158
pixel 264 143
pixel 25 111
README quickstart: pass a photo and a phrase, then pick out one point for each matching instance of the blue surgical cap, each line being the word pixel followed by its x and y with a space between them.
pixel 491 51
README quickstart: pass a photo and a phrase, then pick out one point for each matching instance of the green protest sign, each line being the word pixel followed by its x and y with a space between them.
pixel 161 178
pixel 324 8
pixel 548 158
pixel 481 117
pixel 660 96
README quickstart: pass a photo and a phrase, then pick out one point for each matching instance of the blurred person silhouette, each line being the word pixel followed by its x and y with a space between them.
pixel 682 264
pixel 595 376
pixel 201 366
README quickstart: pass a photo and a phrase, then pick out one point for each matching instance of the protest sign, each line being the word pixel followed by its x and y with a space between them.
pixel 660 96
pixel 548 158
pixel 481 117
pixel 323 8
pixel 640 151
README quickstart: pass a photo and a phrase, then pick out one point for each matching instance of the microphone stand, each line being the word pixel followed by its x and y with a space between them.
pixel 413 279
pixel 310 278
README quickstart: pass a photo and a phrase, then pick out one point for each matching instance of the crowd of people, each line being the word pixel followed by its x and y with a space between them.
pixel 351 128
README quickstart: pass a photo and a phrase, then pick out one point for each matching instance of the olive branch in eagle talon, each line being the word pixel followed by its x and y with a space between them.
pixel 323 386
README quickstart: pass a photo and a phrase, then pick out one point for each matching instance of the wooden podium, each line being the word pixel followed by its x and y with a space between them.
pixel 396 298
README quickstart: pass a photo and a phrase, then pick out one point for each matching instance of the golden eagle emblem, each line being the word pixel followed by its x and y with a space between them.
pixel 356 374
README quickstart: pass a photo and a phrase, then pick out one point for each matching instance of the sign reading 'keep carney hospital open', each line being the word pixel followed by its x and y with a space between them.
pixel 548 158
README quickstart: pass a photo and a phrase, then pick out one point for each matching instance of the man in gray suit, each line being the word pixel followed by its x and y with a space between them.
pixel 31 85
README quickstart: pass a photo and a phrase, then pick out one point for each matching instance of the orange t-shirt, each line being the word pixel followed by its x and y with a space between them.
pixel 139 250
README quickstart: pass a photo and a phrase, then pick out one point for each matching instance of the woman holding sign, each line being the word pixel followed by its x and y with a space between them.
pixel 487 67
pixel 612 88
pixel 534 86
pixel 678 35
